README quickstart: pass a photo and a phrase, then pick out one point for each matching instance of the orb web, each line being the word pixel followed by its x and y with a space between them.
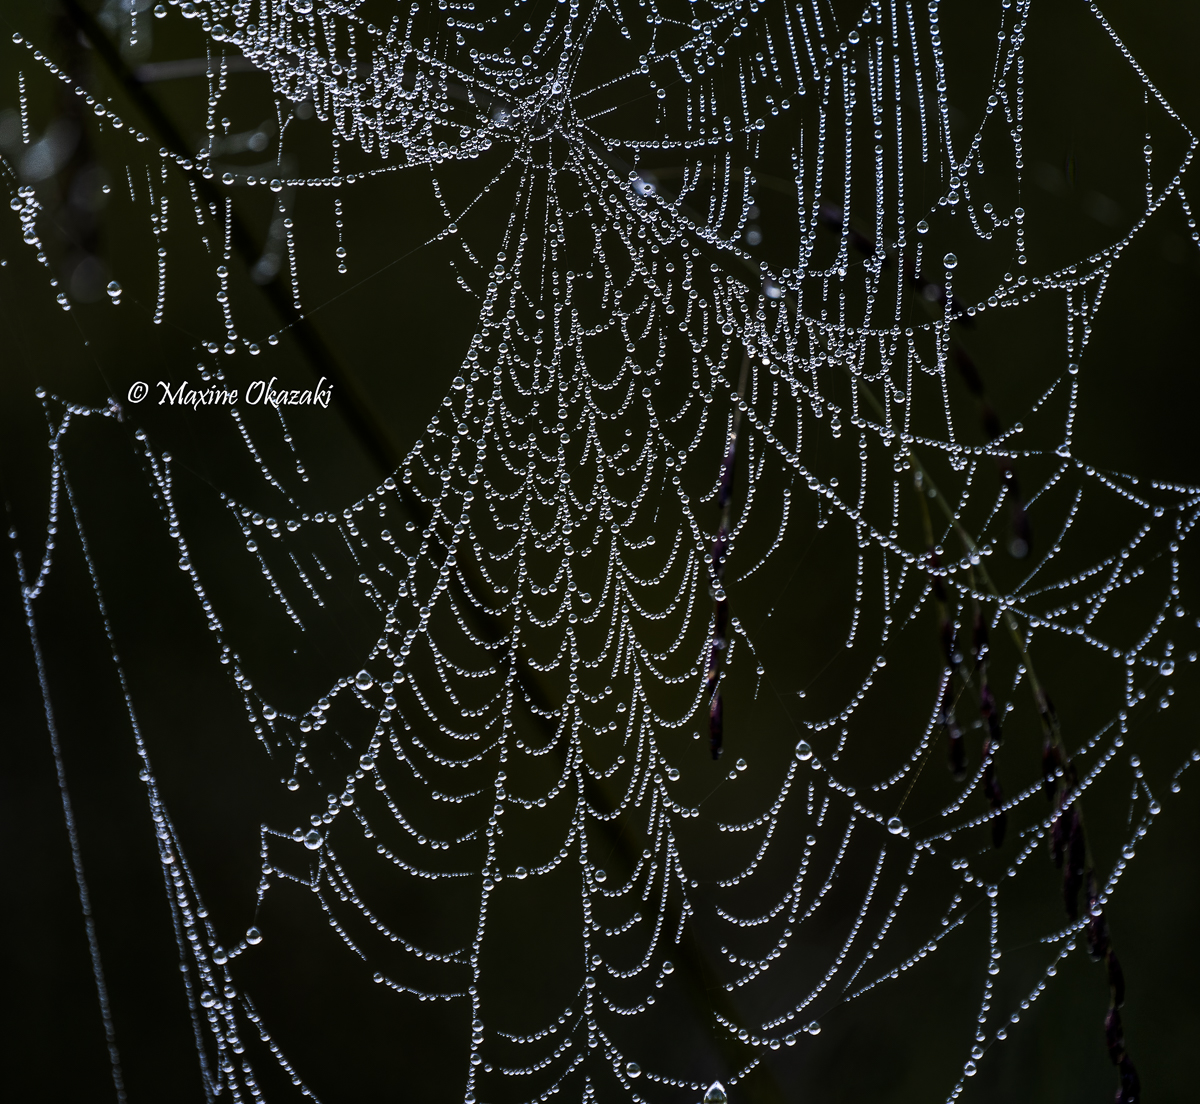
pixel 720 327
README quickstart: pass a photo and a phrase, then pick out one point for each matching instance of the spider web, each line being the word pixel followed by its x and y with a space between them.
pixel 694 371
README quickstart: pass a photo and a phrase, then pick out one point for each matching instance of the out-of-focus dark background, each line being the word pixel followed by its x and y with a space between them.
pixel 400 324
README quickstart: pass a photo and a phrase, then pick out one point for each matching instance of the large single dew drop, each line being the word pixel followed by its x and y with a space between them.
pixel 363 680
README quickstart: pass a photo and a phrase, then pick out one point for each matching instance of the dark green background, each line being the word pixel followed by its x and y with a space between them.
pixel 401 328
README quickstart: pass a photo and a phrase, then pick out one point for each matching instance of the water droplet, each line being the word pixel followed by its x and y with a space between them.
pixel 668 967
pixel 633 1069
pixel 459 383
pixel 253 936
pixel 277 185
pixel 814 1028
pixel 363 680
pixel 293 784
pixel 520 873
pixel 803 750
pixel 673 774
pixel 950 260
pixel 741 764
pixel 1167 667
pixel 114 291
pixel 313 840
pixel 922 227
pixel 894 826
pixel 600 876
pixel 715 1094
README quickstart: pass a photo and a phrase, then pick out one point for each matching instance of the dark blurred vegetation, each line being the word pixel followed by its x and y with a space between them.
pixel 399 325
